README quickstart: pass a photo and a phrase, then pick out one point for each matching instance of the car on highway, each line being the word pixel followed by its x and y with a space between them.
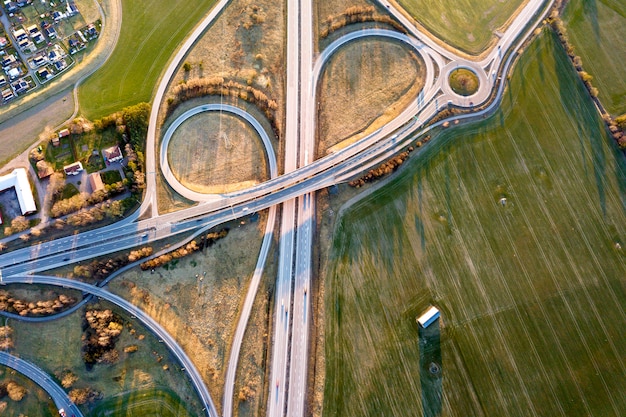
pixel 62 412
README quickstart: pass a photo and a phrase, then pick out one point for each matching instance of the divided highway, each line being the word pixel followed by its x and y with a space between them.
pixel 295 189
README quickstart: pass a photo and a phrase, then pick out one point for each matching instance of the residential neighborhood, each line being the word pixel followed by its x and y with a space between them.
pixel 37 42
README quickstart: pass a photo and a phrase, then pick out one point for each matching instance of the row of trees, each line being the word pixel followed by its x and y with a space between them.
pixel 357 14
pixel 34 308
pixel 388 166
pixel 382 170
pixel 100 269
pixel 191 247
pixel 217 85
pixel 81 200
pixel 617 126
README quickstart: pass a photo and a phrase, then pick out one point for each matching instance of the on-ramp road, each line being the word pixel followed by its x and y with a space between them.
pixel 42 379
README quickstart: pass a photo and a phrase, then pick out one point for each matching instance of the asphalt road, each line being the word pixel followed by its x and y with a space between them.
pixel 39 377
pixel 144 318
pixel 309 177
pixel 282 298
pixel 226 108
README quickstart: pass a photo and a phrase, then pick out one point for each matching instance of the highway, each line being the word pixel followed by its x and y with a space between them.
pixel 143 317
pixel 231 370
pixel 302 176
pixel 298 358
pixel 39 377
pixel 282 297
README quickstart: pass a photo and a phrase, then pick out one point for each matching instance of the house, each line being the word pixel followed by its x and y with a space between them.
pixel 71 9
pixel 19 179
pixel 50 32
pixel 39 60
pixel 13 73
pixel 44 73
pixel 38 37
pixel 3 42
pixel 57 16
pixel 20 86
pixel 112 154
pixel 63 133
pixel 95 180
pixel 20 35
pixel 7 94
pixel 25 44
pixel 3 80
pixel 428 317
pixel 81 36
pixel 11 6
pixel 32 29
pixel 8 62
pixel 91 31
pixel 60 65
pixel 73 169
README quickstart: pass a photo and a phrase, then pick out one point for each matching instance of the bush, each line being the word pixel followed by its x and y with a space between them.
pixel 111 177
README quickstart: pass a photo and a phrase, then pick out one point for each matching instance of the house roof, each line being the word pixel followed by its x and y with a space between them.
pixel 73 168
pixel 95 180
pixel 113 153
pixel 19 179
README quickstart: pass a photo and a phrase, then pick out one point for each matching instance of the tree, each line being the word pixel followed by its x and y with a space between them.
pixel 136 121
pixel 19 224
pixel 16 392
pixel 56 182
pixel 44 169
pixel 621 121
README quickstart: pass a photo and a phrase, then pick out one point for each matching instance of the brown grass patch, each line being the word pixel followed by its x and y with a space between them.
pixel 217 152
pixel 365 85
pixel 201 314
pixel 246 44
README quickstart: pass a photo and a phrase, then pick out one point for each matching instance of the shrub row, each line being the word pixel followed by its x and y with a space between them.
pixel 357 14
pixel 617 126
pixel 200 87
pixel 188 249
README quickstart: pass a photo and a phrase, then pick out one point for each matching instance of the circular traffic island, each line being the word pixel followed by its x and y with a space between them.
pixel 216 152
pixel 463 82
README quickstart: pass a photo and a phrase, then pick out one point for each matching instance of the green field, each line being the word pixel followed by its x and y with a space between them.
pixel 532 292
pixel 149 36
pixel 464 24
pixel 144 403
pixel 597 30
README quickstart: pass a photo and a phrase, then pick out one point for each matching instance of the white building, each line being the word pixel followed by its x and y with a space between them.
pixel 428 317
pixel 19 179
